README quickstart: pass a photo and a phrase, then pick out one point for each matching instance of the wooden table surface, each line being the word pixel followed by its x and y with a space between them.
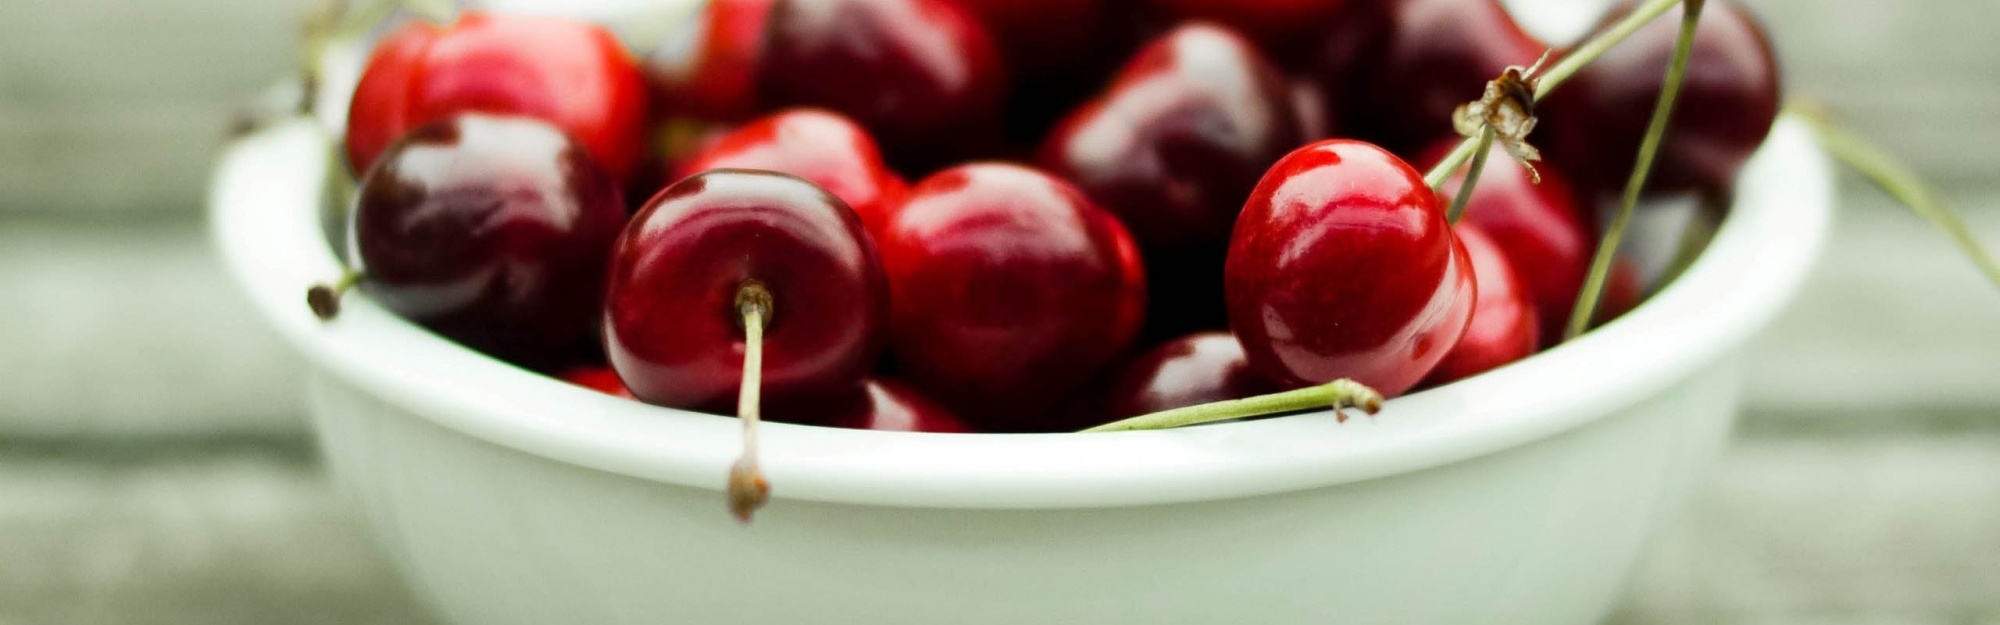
pixel 154 468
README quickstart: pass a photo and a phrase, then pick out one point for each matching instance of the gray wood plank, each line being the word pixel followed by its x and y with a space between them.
pixel 133 332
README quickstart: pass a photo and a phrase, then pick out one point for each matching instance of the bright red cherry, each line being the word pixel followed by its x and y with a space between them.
pixel 819 146
pixel 895 407
pixel 1542 228
pixel 1281 26
pixel 681 270
pixel 1173 148
pixel 1010 291
pixel 601 379
pixel 572 74
pixel 922 75
pixel 1393 70
pixel 1504 320
pixel 1342 266
pixel 1191 370
pixel 493 231
pixel 1727 103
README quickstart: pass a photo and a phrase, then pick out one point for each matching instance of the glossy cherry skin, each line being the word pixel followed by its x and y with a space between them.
pixel 820 146
pixel 1191 370
pixel 1504 325
pixel 1177 141
pixel 1173 147
pixel 890 406
pixel 1727 103
pixel 490 230
pixel 1542 228
pixel 1393 70
pixel 671 325
pixel 922 75
pixel 1282 26
pixel 573 74
pixel 601 379
pixel 1342 266
pixel 1010 291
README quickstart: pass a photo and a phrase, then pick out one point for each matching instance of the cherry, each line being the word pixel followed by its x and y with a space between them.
pixel 1010 290
pixel 597 378
pixel 1393 70
pixel 1282 26
pixel 490 230
pixel 895 407
pixel 1194 369
pixel 1175 144
pixel 1173 148
pixel 1727 103
pixel 1057 52
pixel 1342 266
pixel 923 75
pixel 1048 38
pixel 1504 325
pixel 685 264
pixel 822 147
pixel 573 74
pixel 1541 228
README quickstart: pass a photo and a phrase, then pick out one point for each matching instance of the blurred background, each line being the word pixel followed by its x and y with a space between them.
pixel 155 466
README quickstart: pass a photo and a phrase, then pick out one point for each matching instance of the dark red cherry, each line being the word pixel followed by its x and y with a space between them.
pixel 573 74
pixel 922 75
pixel 601 379
pixel 1504 320
pixel 1047 37
pixel 1057 52
pixel 1542 228
pixel 1010 291
pixel 671 320
pixel 1281 26
pixel 491 230
pixel 896 407
pixel 1728 100
pixel 1177 141
pixel 1342 266
pixel 1173 148
pixel 1393 70
pixel 1187 371
pixel 819 146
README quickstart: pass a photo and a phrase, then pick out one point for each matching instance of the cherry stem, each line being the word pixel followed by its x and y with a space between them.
pixel 1547 80
pixel 1649 147
pixel 324 299
pixel 1896 180
pixel 748 489
pixel 1464 196
pixel 1339 394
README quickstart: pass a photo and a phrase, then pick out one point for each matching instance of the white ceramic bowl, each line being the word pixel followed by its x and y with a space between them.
pixel 1519 496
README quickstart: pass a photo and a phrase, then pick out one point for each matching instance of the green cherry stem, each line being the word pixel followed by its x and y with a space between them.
pixel 1547 80
pixel 1338 394
pixel 1464 195
pixel 1896 180
pixel 1649 147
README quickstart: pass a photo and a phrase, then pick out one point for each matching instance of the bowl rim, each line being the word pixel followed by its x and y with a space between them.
pixel 264 218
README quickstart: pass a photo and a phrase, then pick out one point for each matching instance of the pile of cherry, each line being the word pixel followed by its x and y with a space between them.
pixel 1007 215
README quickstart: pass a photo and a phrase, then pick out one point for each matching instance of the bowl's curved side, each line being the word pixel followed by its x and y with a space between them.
pixel 263 216
pixel 1538 534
